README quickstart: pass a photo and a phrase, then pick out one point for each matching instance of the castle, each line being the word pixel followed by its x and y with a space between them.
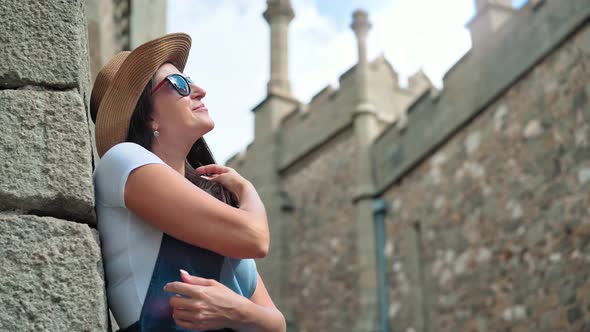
pixel 413 209
pixel 391 208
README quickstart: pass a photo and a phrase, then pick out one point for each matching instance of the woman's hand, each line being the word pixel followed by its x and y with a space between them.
pixel 210 305
pixel 226 176
pixel 248 201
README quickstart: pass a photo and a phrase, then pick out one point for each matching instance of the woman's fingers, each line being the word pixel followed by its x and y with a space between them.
pixel 226 176
pixel 219 178
pixel 193 319
pixel 187 315
pixel 212 169
pixel 187 324
pixel 194 280
pixel 208 304
pixel 192 291
pixel 182 303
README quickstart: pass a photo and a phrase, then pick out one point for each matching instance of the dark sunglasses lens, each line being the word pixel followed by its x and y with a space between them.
pixel 180 85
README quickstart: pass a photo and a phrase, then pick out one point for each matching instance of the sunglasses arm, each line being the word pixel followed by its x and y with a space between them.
pixel 159 85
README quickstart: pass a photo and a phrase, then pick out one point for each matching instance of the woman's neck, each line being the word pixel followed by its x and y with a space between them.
pixel 171 155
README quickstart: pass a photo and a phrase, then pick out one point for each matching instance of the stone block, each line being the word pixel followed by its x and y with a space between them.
pixel 45 155
pixel 43 43
pixel 51 276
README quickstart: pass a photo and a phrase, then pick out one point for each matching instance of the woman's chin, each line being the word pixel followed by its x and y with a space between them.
pixel 202 124
pixel 205 122
pixel 206 127
pixel 210 125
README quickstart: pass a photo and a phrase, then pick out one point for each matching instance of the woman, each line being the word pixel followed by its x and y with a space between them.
pixel 177 242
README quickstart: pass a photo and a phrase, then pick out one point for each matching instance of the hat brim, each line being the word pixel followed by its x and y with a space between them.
pixel 120 98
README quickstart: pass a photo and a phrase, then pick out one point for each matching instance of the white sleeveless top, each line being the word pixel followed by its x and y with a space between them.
pixel 130 246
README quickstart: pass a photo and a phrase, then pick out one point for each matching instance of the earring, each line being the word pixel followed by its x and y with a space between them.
pixel 156 133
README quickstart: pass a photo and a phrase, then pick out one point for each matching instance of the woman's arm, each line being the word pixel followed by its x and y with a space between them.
pixel 211 305
pixel 259 313
pixel 168 201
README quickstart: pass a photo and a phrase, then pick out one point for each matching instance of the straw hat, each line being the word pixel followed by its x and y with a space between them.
pixel 120 83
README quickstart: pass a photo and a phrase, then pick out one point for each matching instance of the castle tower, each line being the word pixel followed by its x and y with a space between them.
pixel 261 167
pixel 361 26
pixel 278 14
pixel 491 15
pixel 480 4
pixel 147 21
pixel 366 129
pixel 279 101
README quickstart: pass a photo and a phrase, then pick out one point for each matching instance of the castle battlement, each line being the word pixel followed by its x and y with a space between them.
pixel 473 84
pixel 308 126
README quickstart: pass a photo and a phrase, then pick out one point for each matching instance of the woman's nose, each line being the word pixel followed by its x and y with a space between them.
pixel 199 92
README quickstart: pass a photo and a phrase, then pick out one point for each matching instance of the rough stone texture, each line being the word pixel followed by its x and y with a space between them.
pixel 492 231
pixel 323 272
pixel 43 43
pixel 45 155
pixel 51 276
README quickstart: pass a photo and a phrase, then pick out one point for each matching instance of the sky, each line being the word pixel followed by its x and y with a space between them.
pixel 230 52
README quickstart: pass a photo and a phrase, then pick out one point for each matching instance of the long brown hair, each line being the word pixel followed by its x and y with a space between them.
pixel 141 133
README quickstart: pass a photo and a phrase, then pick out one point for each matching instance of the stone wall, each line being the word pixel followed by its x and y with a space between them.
pixel 300 133
pixel 322 272
pixel 108 31
pixel 491 232
pixel 50 263
pixel 488 226
pixel 121 25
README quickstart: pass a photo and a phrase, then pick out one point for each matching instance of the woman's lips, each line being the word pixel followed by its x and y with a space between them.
pixel 200 108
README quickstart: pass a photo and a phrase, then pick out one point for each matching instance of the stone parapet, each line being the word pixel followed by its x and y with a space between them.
pixel 309 130
pixel 51 276
pixel 46 156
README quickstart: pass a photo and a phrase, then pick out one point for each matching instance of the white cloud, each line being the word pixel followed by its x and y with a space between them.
pixel 318 52
pixel 230 53
pixel 426 34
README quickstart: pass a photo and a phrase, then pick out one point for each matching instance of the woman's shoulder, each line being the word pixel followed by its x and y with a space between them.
pixel 127 153
pixel 125 149
pixel 112 170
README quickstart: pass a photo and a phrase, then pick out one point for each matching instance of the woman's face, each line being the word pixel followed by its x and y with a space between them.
pixel 177 116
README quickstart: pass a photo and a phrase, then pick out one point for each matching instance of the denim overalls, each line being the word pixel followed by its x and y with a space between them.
pixel 156 313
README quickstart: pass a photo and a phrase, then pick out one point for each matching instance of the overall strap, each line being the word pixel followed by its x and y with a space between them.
pixel 156 313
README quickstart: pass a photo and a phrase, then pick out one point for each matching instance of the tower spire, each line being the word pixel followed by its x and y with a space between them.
pixel 490 17
pixel 361 25
pixel 480 4
pixel 278 14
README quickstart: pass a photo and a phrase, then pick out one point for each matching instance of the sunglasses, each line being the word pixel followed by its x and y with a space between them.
pixel 180 83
